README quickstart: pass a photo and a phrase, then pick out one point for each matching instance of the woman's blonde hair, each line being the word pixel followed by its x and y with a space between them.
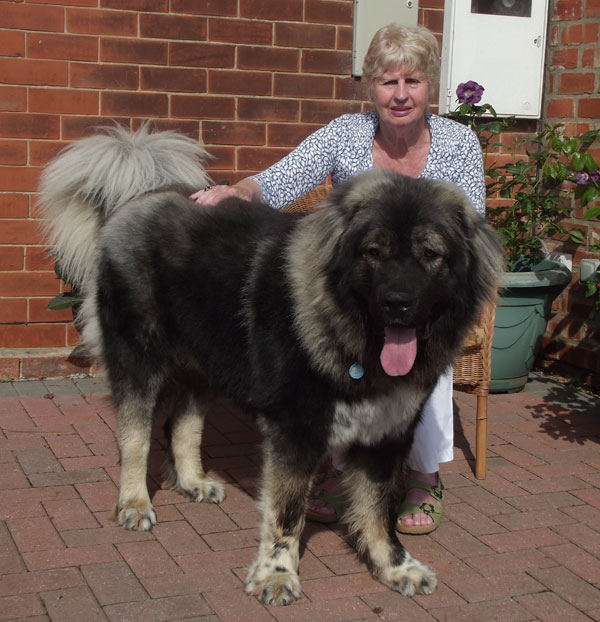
pixel 415 48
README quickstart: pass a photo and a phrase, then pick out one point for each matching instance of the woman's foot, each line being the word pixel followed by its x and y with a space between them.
pixel 421 510
pixel 326 502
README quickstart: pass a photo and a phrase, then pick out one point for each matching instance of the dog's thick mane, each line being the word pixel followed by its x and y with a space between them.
pixel 317 314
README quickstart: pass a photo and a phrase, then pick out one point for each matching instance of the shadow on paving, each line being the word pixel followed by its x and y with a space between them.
pixel 564 413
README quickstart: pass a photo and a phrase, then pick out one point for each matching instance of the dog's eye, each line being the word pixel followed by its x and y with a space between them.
pixel 372 252
pixel 430 253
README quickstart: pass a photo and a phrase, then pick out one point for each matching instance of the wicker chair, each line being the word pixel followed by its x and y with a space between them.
pixel 472 369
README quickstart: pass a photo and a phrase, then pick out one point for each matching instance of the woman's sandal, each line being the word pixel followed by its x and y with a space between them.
pixel 434 511
pixel 333 498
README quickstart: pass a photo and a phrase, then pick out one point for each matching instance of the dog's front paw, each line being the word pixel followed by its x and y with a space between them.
pixel 207 490
pixel 134 516
pixel 276 586
pixel 410 578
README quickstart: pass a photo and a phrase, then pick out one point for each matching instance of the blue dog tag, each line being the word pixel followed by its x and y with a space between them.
pixel 356 371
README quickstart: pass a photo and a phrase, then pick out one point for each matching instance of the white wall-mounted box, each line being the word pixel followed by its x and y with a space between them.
pixel 370 16
pixel 501 45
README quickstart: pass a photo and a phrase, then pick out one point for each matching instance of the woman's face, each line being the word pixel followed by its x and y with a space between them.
pixel 400 97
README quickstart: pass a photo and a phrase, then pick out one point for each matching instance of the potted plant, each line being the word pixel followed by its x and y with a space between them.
pixel 536 194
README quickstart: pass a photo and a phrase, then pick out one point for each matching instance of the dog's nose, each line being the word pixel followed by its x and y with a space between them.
pixel 396 303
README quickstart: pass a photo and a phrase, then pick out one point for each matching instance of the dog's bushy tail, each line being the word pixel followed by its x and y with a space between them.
pixel 95 176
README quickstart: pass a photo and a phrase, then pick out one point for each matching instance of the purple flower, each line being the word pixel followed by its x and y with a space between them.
pixel 583 178
pixel 469 92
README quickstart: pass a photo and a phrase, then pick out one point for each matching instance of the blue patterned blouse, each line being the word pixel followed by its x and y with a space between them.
pixel 344 147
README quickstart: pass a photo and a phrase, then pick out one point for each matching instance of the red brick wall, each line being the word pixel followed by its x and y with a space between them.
pixel 249 77
pixel 572 97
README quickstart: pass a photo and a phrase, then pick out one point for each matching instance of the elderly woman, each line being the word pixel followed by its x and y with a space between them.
pixel 401 72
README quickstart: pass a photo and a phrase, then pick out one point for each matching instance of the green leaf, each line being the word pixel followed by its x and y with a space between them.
pixel 64 301
pixel 577 236
pixel 492 111
pixel 570 146
pixel 494 127
pixel 589 194
pixel 583 161
pixel 592 212
pixel 577 163
pixel 557 171
pixel 588 162
pixel 557 144
pixel 589 137
pixel 591 288
pixel 465 109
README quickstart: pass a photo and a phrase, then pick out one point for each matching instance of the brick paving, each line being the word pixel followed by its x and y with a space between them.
pixel 523 544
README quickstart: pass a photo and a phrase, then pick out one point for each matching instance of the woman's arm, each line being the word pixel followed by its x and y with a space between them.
pixel 471 176
pixel 302 169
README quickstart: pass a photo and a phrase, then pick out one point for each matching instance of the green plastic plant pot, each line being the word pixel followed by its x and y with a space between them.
pixel 522 314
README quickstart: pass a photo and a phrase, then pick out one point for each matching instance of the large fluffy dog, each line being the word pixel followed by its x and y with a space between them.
pixel 331 327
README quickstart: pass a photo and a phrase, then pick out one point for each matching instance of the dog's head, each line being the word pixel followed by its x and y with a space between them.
pixel 408 259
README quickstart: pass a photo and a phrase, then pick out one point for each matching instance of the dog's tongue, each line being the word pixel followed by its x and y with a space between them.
pixel 399 350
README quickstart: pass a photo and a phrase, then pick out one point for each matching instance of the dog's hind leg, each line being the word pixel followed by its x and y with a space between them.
pixel 183 467
pixel 134 509
pixel 287 476
pixel 372 479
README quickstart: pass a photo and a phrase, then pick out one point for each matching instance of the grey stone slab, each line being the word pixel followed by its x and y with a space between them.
pixel 7 390
pixel 95 384
pixel 30 388
pixel 61 386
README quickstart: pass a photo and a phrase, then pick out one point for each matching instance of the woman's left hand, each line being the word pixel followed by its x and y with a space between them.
pixel 246 189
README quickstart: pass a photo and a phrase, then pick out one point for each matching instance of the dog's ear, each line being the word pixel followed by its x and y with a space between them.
pixel 485 253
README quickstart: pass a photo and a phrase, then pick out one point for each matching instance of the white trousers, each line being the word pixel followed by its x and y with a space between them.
pixel 434 436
